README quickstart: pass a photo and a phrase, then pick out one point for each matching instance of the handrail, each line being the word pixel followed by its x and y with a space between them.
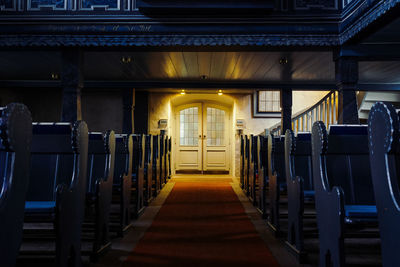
pixel 325 110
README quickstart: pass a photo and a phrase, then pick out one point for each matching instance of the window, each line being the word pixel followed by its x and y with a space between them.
pixel 189 127
pixel 267 103
pixel 215 126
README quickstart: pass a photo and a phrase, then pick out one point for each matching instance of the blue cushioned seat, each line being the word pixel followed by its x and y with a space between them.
pixel 360 211
pixel 40 206
pixel 309 193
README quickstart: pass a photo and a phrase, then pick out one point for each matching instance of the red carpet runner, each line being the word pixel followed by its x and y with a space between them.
pixel 201 224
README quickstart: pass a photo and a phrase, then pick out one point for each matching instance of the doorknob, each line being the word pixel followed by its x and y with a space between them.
pixel 200 136
pixel 204 136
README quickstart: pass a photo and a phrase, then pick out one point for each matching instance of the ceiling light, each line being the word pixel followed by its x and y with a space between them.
pixel 126 60
pixel 283 61
pixel 54 76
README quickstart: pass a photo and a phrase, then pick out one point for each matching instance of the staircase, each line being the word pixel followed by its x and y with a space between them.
pixel 367 99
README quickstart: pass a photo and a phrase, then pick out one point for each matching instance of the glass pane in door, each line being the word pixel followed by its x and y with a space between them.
pixel 188 119
pixel 215 127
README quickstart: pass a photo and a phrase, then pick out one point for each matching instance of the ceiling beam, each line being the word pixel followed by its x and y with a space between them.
pixel 370 52
pixel 198 85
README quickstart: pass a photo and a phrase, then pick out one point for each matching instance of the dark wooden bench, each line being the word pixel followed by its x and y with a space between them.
pixel 148 169
pixel 15 149
pixel 253 175
pixel 262 152
pixel 100 174
pixel 300 187
pixel 156 165
pixel 384 134
pixel 276 180
pixel 242 161
pixel 247 168
pixel 57 191
pixel 122 183
pixel 169 157
pixel 343 186
pixel 137 197
pixel 162 153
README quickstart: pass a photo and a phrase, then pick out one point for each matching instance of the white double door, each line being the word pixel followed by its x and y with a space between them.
pixel 203 137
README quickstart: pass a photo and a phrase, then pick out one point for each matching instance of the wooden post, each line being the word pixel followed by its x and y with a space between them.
pixel 141 118
pixel 127 102
pixel 346 69
pixel 72 84
pixel 286 110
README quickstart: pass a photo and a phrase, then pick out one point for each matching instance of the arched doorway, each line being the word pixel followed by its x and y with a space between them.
pixel 202 132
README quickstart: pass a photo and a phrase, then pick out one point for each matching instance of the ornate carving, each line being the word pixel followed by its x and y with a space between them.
pixel 367 18
pixel 8 5
pixel 321 4
pixel 168 40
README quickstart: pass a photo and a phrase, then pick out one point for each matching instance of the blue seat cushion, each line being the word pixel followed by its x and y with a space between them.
pixel 309 193
pixel 40 206
pixel 360 211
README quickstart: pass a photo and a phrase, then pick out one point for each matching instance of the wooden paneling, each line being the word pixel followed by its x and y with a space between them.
pixel 247 66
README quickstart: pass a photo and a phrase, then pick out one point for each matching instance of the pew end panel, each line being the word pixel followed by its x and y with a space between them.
pixel 101 161
pixel 276 180
pixel 122 183
pixel 15 147
pixel 295 190
pixel 57 191
pixel 340 199
pixel 263 176
pixel 384 134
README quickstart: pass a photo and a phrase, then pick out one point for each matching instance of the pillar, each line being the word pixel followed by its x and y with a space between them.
pixel 72 84
pixel 346 69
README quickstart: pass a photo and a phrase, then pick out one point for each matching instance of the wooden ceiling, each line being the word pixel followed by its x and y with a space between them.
pixel 192 66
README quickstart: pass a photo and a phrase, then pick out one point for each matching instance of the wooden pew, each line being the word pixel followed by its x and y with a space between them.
pixel 15 149
pixel 242 161
pixel 247 170
pixel 166 158
pixel 156 165
pixel 121 219
pixel 384 143
pixel 277 180
pixel 169 157
pixel 300 187
pixel 100 175
pixel 253 175
pixel 344 194
pixel 137 198
pixel 56 193
pixel 162 153
pixel 262 149
pixel 148 169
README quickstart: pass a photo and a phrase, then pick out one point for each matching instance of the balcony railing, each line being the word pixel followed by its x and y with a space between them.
pixel 325 110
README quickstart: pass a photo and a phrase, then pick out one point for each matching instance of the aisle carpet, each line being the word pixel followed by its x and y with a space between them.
pixel 202 223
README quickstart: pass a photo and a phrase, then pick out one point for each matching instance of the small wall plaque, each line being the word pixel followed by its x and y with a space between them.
pixel 163 124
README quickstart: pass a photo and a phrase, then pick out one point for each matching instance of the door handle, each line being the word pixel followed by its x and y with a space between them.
pixel 204 136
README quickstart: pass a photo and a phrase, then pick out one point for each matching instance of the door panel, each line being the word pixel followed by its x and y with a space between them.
pixel 216 145
pixel 188 120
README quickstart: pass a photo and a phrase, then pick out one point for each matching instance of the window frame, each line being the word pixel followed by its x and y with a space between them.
pixel 264 114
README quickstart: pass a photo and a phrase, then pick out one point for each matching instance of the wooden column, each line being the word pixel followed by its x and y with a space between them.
pixel 128 106
pixel 346 69
pixel 72 84
pixel 286 110
pixel 141 118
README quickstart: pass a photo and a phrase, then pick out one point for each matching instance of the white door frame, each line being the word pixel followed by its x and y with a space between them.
pixel 228 127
